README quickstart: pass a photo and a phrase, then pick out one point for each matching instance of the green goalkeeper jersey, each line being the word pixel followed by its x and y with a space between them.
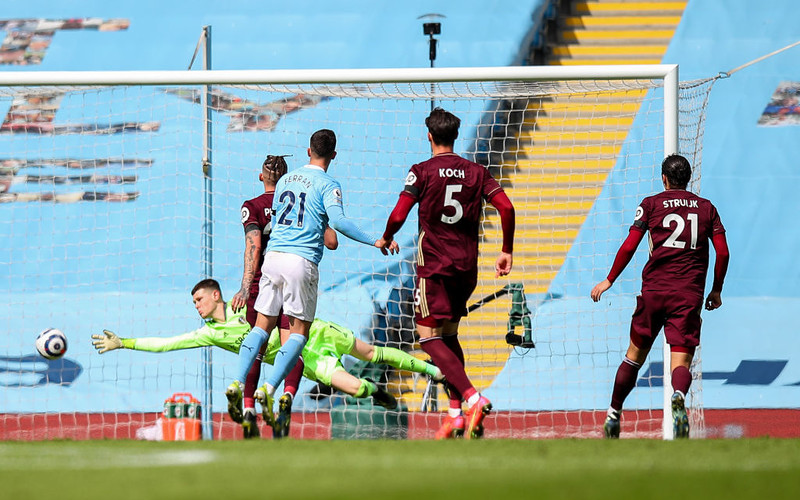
pixel 325 339
pixel 227 334
pixel 327 343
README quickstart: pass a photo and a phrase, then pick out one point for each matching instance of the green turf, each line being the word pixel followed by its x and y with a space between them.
pixel 763 469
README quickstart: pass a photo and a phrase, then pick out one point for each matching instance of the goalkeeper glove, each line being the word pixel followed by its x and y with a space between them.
pixel 107 342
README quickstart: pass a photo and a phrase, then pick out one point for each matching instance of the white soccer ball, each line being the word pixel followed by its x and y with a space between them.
pixel 51 343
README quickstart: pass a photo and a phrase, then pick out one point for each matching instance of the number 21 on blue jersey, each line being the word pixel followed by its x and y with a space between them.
pixel 289 198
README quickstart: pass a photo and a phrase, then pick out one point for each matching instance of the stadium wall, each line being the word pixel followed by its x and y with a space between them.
pixel 750 358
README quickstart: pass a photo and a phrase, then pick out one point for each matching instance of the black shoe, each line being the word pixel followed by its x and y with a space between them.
pixel 234 395
pixel 250 424
pixel 680 420
pixel 284 418
pixel 383 398
pixel 611 426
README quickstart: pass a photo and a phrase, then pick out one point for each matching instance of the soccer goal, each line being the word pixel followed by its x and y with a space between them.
pixel 121 190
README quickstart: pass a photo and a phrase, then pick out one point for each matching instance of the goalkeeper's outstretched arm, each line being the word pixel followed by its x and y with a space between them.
pixel 109 341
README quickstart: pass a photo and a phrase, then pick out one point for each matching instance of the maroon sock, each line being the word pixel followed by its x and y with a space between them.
pixel 681 379
pixel 448 362
pixel 451 341
pixel 292 381
pixel 623 384
pixel 251 382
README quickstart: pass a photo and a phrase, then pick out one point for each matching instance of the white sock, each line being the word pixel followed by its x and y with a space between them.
pixel 473 399
pixel 613 413
pixel 454 412
pixel 289 394
pixel 270 389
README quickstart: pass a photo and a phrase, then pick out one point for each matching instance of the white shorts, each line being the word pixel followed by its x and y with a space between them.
pixel 288 281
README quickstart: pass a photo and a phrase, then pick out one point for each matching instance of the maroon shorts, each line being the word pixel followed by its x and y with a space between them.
pixel 678 313
pixel 252 314
pixel 444 297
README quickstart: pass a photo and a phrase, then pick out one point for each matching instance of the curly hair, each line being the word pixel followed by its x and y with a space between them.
pixel 274 168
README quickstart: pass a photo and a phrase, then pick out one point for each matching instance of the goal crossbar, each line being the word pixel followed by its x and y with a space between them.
pixel 372 75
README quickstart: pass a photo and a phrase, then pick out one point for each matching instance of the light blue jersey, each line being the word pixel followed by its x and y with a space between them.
pixel 306 201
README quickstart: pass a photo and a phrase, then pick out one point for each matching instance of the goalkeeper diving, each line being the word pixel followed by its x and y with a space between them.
pixel 327 343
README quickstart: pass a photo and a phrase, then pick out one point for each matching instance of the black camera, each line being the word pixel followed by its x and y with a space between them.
pixel 431 28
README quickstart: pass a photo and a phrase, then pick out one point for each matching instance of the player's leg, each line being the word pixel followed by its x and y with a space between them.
pixel 394 358
pixel 300 278
pixel 247 416
pixel 343 381
pixel 447 361
pixel 433 307
pixel 249 421
pixel 268 305
pixel 681 361
pixel 291 383
pixel 439 303
pixel 646 322
pixel 624 382
pixel 286 359
pixel 283 418
pixel 249 352
pixel 454 424
pixel 682 330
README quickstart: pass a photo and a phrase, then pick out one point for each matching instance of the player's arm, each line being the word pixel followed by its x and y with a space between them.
pixel 504 207
pixel 109 341
pixel 624 256
pixel 252 255
pixel 330 239
pixel 396 220
pixel 347 227
pixel 720 243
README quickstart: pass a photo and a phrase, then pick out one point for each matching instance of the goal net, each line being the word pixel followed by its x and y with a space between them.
pixel 117 199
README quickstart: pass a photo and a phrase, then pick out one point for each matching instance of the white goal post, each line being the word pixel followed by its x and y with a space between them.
pixel 575 147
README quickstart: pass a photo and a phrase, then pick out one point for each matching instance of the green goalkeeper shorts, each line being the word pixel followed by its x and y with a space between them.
pixel 322 354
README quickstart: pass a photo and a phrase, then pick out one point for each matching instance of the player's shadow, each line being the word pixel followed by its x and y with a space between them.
pixel 34 371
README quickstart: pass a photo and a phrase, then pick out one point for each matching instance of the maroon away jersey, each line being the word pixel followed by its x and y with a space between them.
pixel 680 225
pixel 450 191
pixel 257 214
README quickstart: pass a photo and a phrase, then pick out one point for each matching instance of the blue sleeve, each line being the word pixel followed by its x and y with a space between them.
pixel 332 200
pixel 347 227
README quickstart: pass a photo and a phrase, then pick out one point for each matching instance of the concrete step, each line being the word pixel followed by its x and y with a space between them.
pixel 617 22
pixel 587 107
pixel 613 8
pixel 552 123
pixel 589 61
pixel 560 138
pixel 576 151
pixel 530 232
pixel 609 51
pixel 519 195
pixel 577 166
pixel 617 36
pixel 582 179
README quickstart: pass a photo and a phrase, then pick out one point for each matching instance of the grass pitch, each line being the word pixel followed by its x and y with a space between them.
pixel 765 469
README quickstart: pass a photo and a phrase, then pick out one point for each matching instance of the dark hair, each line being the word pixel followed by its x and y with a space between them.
pixel 274 168
pixel 677 170
pixel 323 143
pixel 208 284
pixel 443 127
